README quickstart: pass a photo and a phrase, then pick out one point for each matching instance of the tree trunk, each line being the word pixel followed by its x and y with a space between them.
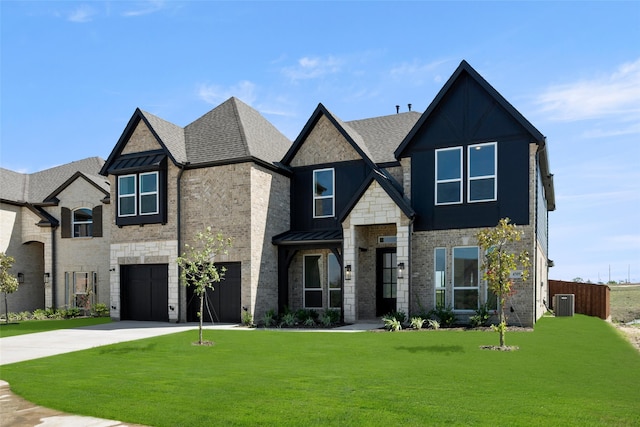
pixel 201 314
pixel 6 308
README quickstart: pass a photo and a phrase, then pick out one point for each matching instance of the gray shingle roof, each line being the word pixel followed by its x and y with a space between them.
pixel 171 135
pixel 36 187
pixel 233 130
pixel 382 135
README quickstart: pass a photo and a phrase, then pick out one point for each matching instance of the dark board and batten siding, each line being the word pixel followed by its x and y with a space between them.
pixel 468 115
pixel 348 179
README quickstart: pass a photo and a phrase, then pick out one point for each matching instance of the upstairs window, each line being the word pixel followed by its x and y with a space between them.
pixel 149 193
pixel 138 194
pixel 82 222
pixel 323 193
pixel 127 195
pixel 482 172
pixel 449 176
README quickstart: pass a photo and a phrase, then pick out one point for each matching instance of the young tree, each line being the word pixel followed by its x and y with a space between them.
pixel 499 262
pixel 8 283
pixel 198 268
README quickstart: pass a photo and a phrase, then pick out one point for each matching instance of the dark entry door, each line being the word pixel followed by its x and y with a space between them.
pixel 144 292
pixel 386 281
pixel 221 304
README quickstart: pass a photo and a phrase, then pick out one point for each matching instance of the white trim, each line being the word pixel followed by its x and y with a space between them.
pixel 436 286
pixel 464 288
pixel 332 196
pixel 304 281
pixel 134 195
pixel 74 222
pixel 446 181
pixel 494 176
pixel 149 193
pixel 329 288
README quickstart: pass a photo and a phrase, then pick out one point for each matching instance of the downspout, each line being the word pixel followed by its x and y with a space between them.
pixel 179 232
pixel 53 267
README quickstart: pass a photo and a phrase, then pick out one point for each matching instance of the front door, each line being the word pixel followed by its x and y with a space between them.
pixel 386 281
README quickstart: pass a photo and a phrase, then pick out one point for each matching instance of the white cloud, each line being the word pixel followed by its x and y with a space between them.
pixel 616 95
pixel 417 71
pixel 145 8
pixel 215 94
pixel 82 14
pixel 313 67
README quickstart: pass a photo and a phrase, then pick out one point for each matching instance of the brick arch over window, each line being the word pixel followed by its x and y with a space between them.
pixel 67 222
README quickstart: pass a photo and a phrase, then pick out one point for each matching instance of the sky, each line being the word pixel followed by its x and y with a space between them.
pixel 72 74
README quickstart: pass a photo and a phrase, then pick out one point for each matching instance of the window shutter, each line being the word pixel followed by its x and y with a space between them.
pixel 66 223
pixel 97 221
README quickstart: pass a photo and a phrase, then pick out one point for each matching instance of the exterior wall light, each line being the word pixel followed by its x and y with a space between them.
pixel 347 272
pixel 401 270
pixel 46 277
pixel 20 278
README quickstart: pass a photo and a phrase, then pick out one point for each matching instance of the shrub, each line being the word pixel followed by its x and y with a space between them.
pixel 100 310
pixel 70 312
pixel 309 322
pixel 391 323
pixel 417 322
pixel 247 318
pixel 481 316
pixel 445 315
pixel 330 317
pixel 269 318
pixel 288 319
pixel 433 324
pixel 39 314
pixel 400 316
pixel 305 314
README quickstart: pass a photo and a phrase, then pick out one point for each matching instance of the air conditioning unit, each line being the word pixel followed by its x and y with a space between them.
pixel 564 304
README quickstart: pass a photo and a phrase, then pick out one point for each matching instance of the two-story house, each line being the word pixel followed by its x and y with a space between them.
pixel 384 211
pixel 54 223
pixel 168 183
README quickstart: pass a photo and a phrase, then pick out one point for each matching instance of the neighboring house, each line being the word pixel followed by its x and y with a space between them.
pixel 169 183
pixel 385 211
pixel 54 224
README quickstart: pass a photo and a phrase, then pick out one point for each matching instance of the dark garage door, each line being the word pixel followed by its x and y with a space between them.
pixel 144 292
pixel 221 304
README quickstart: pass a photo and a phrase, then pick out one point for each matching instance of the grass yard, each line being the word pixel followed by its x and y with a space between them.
pixel 33 326
pixel 570 371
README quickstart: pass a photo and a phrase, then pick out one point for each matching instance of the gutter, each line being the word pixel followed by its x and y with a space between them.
pixel 179 232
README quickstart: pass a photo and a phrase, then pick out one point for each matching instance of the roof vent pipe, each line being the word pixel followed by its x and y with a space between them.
pixel 409 107
pixel 397 109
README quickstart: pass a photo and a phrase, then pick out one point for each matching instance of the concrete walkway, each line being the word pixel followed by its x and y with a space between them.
pixel 17 412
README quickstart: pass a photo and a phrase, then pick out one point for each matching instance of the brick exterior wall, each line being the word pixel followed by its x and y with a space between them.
pixel 83 254
pixel 25 242
pixel 324 145
pixel 243 201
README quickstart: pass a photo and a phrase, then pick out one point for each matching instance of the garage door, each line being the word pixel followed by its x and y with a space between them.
pixel 221 304
pixel 144 292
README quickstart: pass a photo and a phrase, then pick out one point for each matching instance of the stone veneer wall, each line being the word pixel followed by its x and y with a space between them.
pixel 148 252
pixel 375 207
pixel 141 139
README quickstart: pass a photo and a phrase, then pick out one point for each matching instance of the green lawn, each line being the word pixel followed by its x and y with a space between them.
pixel 570 371
pixel 32 326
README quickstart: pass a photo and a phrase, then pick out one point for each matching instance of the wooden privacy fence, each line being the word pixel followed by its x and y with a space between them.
pixel 590 299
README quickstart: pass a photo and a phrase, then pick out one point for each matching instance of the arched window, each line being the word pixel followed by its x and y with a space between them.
pixel 82 222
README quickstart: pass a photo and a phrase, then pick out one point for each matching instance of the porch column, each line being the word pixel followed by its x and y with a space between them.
pixel 402 256
pixel 349 258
